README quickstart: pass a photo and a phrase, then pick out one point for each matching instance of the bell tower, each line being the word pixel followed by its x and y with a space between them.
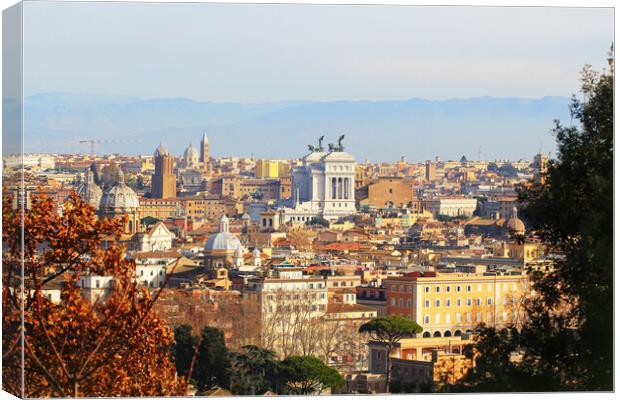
pixel 163 184
pixel 204 150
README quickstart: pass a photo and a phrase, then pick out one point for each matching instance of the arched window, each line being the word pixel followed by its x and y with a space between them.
pixel 426 334
pixel 457 332
pixel 437 334
pixel 447 334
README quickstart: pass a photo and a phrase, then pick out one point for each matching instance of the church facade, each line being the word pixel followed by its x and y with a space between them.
pixel 323 185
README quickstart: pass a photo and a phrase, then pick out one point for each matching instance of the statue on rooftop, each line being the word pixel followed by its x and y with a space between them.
pixel 340 146
pixel 320 148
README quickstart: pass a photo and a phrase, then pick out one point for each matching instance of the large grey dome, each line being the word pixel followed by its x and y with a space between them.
pixel 191 152
pixel 119 197
pixel 89 191
pixel 223 240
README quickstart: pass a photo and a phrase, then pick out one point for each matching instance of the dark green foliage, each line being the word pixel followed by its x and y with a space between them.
pixel 185 347
pixel 254 371
pixel 148 220
pixel 212 366
pixel 389 330
pixel 572 211
pixel 449 218
pixel 318 221
pixel 507 170
pixel 308 375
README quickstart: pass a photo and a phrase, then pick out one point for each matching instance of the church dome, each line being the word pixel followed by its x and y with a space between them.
pixel 191 154
pixel 161 151
pixel 119 197
pixel 223 240
pixel 89 191
pixel 514 224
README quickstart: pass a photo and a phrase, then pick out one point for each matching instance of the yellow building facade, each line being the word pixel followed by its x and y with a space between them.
pixel 265 169
pixel 451 304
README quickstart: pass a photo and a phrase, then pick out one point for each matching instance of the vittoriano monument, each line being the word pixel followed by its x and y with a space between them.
pixel 332 147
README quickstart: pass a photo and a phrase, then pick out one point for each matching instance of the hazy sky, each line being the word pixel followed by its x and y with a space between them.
pixel 250 53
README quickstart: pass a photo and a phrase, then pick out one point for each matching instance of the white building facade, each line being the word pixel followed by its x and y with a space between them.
pixel 158 238
pixel 452 207
pixel 323 186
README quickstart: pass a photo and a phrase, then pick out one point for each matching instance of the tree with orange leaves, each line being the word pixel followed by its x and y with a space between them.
pixel 113 346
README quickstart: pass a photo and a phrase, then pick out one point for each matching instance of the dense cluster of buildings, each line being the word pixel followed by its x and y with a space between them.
pixel 294 255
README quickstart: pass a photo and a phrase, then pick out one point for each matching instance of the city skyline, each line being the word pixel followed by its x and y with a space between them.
pixel 207 199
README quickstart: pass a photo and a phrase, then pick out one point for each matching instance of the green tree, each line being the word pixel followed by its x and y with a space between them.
pixel 184 348
pixel 389 331
pixel 567 342
pixel 254 371
pixel 304 375
pixel 212 366
pixel 318 221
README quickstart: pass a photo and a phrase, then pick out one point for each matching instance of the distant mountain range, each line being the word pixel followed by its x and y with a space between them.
pixel 379 130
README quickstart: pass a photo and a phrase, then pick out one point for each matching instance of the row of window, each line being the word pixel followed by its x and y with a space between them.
pixel 468 317
pixel 447 288
pixel 293 286
pixel 342 284
pixel 448 302
pixel 161 273
pixel 297 307
pixel 437 303
pixel 340 167
pixel 312 296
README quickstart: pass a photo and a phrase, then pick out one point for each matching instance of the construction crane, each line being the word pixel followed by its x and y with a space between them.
pixel 93 142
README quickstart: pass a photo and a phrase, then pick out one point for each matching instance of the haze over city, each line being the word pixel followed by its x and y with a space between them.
pixel 288 73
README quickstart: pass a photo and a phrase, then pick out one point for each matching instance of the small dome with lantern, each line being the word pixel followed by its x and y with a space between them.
pixel 89 191
pixel 514 224
pixel 223 240
pixel 119 198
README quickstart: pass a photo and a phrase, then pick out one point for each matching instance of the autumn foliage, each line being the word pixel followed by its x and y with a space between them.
pixel 114 346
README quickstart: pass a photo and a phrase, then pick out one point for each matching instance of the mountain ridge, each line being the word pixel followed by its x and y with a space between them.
pixel 507 127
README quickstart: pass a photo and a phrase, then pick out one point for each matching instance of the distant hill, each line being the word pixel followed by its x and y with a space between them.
pixel 380 130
